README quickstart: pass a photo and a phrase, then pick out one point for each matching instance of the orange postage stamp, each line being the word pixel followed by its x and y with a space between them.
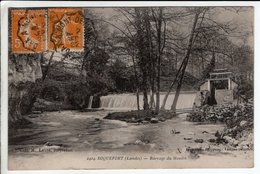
pixel 28 31
pixel 65 29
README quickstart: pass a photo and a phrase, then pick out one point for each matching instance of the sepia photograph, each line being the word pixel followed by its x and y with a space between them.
pixel 143 87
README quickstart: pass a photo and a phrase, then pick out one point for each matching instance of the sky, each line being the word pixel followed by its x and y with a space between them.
pixel 243 19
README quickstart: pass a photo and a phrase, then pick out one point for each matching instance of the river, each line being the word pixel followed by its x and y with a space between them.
pixel 88 131
pixel 77 134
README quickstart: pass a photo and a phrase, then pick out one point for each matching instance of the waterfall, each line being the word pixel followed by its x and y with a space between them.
pixel 90 102
pixel 128 101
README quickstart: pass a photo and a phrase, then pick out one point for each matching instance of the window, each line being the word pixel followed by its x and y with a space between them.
pixel 220 84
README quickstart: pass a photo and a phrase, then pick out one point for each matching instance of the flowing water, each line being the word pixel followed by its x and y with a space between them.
pixel 80 135
pixel 129 101
pixel 90 102
pixel 89 131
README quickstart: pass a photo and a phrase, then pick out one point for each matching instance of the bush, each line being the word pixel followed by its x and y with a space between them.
pixel 230 114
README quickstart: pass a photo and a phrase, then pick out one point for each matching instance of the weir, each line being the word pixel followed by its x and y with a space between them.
pixel 90 102
pixel 128 101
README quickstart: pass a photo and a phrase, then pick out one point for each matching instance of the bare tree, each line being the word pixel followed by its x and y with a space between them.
pixel 160 36
pixel 181 71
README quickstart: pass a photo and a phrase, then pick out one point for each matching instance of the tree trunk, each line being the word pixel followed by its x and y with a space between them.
pixel 44 74
pixel 170 89
pixel 145 89
pixel 182 68
pixel 152 104
pixel 174 104
pixel 160 48
pixel 143 54
pixel 186 60
pixel 136 82
pixel 157 107
pixel 137 99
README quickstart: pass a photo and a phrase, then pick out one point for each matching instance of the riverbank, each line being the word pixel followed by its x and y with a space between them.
pixel 141 116
pixel 239 121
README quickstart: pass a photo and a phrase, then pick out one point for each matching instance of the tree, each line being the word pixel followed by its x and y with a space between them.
pixel 207 35
pixel 160 26
pixel 145 32
pixel 143 51
pixel 181 71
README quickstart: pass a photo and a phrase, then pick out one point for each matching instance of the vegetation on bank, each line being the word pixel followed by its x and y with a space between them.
pixel 141 117
pixel 239 121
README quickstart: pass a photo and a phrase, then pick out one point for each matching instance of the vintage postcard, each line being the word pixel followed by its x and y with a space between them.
pixel 141 87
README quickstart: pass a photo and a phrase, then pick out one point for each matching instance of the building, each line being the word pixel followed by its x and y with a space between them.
pixel 221 83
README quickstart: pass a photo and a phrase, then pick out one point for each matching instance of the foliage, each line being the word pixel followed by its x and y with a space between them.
pixel 77 93
pixel 123 77
pixel 245 90
pixel 230 114
pixel 97 73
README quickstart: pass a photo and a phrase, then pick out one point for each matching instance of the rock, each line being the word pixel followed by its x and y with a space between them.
pixel 133 120
pixel 217 134
pixel 34 115
pixel 244 143
pixel 231 141
pixel 36 112
pixel 154 120
pixel 236 113
pixel 245 147
pixel 147 119
pixel 242 147
pixel 139 121
pixel 250 138
pixel 199 141
pixel 188 117
pixel 212 140
pixel 139 142
pixel 194 155
pixel 175 132
pixel 145 122
pixel 227 139
pixel 234 142
pixel 212 115
pixel 48 144
pixel 188 138
pixel 243 123
pixel 161 119
pixel 23 71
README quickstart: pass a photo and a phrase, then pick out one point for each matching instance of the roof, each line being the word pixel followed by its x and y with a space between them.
pixel 203 82
pixel 220 71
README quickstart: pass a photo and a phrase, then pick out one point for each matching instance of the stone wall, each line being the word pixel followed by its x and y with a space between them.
pixel 224 96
